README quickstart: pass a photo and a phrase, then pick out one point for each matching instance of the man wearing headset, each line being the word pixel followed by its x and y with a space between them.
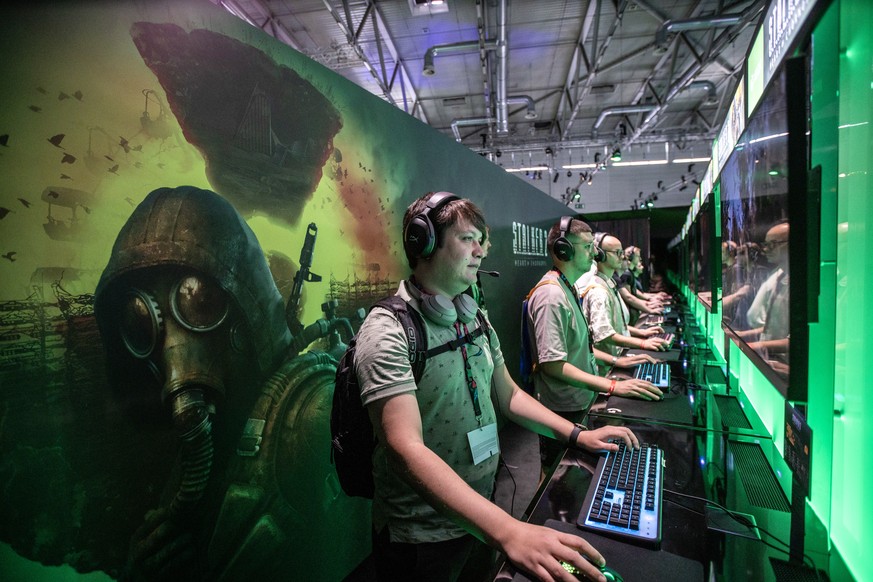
pixel 565 376
pixel 606 312
pixel 626 280
pixel 437 454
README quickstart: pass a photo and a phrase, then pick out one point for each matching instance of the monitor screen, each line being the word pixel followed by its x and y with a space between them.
pixel 755 237
pixel 705 279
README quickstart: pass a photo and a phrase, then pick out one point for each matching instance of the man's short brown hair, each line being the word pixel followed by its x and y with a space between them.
pixel 450 214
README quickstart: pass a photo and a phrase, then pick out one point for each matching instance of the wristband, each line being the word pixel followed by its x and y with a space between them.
pixel 611 388
pixel 574 434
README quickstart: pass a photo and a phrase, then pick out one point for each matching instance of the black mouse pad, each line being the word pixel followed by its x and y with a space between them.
pixel 633 563
pixel 675 408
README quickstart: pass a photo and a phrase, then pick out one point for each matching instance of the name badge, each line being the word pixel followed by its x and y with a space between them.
pixel 483 442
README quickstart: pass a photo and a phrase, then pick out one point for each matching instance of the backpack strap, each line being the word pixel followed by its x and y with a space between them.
pixel 416 335
pixel 467 338
pixel 413 327
pixel 540 284
pixel 587 289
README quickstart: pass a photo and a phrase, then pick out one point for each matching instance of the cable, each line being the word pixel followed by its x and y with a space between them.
pixel 514 486
pixel 743 521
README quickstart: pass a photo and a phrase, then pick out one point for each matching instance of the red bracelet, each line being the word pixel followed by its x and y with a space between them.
pixel 611 388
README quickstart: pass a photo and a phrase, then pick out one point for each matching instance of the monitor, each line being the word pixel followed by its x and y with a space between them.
pixel 765 289
pixel 707 256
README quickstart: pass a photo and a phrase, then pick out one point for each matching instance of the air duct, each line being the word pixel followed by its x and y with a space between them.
pixel 711 96
pixel 620 110
pixel 502 106
pixel 444 49
pixel 468 121
pixel 704 23
pixel 531 112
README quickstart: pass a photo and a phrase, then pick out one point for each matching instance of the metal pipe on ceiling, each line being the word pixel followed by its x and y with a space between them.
pixel 620 110
pixel 711 95
pixel 502 106
pixel 445 49
pixel 531 112
pixel 456 123
pixel 704 23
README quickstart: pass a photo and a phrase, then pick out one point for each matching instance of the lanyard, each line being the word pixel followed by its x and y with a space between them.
pixel 578 304
pixel 468 371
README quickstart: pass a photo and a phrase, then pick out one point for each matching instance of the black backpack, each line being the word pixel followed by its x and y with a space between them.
pixel 352 437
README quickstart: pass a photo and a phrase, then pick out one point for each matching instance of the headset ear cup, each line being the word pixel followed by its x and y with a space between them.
pixel 564 249
pixel 439 310
pixel 465 308
pixel 419 239
pixel 599 255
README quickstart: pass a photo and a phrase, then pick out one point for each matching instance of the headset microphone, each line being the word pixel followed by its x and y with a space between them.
pixel 491 273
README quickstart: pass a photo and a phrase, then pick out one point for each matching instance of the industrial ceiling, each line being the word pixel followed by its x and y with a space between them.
pixel 536 83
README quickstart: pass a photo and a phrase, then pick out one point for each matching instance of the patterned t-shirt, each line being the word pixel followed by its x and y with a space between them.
pixel 606 312
pixel 447 415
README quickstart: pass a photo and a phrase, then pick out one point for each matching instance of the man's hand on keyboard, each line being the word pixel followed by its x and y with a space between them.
pixel 655 344
pixel 651 331
pixel 631 361
pixel 634 388
pixel 602 438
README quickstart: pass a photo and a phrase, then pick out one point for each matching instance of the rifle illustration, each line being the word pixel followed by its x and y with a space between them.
pixel 303 275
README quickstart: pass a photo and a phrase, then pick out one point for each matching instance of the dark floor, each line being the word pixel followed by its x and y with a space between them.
pixel 517 481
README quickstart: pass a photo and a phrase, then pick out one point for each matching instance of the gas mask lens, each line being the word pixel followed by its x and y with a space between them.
pixel 198 304
pixel 140 323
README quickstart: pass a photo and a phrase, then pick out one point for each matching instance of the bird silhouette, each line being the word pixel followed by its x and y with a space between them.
pixel 41 90
pixel 68 159
pixel 4 212
pixel 130 201
pixel 56 140
pixel 114 169
pixel 54 194
pixel 4 139
pixel 11 256
pixel 86 209
pixel 78 95
pixel 62 96
pixel 25 202
pixel 124 144
pixel 108 158
pixel 65 177
pixel 34 108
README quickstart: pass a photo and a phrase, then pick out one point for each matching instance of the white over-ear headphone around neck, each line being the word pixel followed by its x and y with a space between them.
pixel 443 311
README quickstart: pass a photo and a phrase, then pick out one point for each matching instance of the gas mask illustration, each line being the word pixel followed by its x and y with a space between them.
pixel 191 320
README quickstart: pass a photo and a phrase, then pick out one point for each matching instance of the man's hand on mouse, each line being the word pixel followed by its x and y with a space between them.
pixel 541 552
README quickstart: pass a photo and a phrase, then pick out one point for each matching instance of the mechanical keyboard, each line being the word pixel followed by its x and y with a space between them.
pixel 624 498
pixel 666 336
pixel 658 374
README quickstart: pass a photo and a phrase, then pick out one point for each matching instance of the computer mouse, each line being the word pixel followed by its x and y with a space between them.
pixel 610 574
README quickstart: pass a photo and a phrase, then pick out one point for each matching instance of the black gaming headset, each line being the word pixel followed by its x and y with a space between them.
pixel 599 255
pixel 563 248
pixel 419 237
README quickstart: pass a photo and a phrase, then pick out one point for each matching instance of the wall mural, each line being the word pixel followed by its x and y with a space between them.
pixel 191 216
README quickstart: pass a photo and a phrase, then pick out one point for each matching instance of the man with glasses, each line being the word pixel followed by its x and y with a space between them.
pixel 636 299
pixel 565 376
pixel 605 310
